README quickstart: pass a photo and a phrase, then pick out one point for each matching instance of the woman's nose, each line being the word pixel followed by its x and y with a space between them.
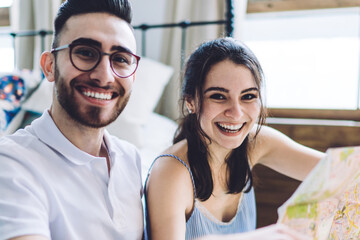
pixel 234 110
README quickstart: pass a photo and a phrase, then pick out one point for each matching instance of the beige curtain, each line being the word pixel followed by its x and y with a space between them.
pixel 180 10
pixel 32 15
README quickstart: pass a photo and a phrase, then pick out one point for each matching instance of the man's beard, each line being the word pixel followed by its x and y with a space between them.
pixel 92 116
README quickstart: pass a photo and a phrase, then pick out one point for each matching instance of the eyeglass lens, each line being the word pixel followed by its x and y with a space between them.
pixel 86 58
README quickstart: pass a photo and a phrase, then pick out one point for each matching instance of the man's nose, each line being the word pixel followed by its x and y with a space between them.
pixel 103 71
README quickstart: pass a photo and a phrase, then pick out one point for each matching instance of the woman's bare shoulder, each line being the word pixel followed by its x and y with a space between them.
pixel 168 158
pixel 262 140
pixel 169 179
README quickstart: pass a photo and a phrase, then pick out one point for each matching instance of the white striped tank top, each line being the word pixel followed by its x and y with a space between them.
pixel 202 222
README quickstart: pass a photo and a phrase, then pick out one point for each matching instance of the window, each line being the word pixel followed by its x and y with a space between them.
pixel 320 27
pixel 311 58
pixel 6 41
pixel 5 3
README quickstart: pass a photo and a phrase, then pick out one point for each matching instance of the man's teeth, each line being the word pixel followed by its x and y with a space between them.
pixel 101 96
pixel 230 128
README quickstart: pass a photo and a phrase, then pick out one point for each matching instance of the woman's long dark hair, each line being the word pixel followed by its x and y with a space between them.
pixel 197 67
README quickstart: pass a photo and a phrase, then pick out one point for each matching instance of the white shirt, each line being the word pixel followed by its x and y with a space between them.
pixel 50 187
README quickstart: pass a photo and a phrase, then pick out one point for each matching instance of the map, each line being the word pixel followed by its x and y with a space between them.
pixel 326 205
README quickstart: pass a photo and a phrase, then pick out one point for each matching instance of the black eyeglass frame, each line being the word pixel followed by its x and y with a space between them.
pixel 101 54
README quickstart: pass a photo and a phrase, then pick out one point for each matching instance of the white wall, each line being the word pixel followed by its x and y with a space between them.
pixel 149 12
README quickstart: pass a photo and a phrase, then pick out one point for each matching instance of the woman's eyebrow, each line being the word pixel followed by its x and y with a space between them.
pixel 250 89
pixel 226 90
pixel 216 89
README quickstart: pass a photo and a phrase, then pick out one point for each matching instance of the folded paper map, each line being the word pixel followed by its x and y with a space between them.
pixel 326 205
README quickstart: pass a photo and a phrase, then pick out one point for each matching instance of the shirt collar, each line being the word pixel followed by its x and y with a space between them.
pixel 112 150
pixel 49 133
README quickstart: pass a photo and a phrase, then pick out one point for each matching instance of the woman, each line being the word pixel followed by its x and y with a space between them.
pixel 202 185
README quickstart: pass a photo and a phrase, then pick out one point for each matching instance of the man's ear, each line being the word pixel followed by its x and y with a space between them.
pixel 47 62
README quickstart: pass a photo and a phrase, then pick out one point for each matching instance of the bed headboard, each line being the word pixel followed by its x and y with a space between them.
pixel 228 23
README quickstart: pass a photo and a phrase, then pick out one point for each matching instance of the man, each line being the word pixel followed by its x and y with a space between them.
pixel 64 176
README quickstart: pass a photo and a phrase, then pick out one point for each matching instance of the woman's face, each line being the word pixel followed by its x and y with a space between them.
pixel 231 105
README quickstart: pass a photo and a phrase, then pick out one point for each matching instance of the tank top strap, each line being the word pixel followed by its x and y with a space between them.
pixel 177 158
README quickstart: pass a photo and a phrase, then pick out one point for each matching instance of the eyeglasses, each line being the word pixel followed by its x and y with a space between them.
pixel 86 58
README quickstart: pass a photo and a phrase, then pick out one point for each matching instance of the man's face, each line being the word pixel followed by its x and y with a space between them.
pixel 94 98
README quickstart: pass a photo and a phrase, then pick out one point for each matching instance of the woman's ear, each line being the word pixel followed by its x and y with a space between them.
pixel 47 62
pixel 190 105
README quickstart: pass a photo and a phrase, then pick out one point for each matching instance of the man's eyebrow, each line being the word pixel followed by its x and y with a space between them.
pixel 87 41
pixel 226 90
pixel 92 42
pixel 121 49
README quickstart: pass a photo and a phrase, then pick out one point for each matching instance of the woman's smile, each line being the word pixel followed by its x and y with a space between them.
pixel 229 128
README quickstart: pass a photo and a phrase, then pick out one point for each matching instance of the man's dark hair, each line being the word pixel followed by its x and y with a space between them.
pixel 119 8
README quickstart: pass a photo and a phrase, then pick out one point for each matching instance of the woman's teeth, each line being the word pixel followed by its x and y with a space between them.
pixel 230 128
pixel 96 95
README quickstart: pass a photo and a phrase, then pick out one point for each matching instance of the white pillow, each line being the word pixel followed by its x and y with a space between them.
pixel 41 99
pixel 151 78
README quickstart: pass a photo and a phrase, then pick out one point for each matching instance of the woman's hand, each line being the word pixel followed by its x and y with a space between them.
pixel 272 232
